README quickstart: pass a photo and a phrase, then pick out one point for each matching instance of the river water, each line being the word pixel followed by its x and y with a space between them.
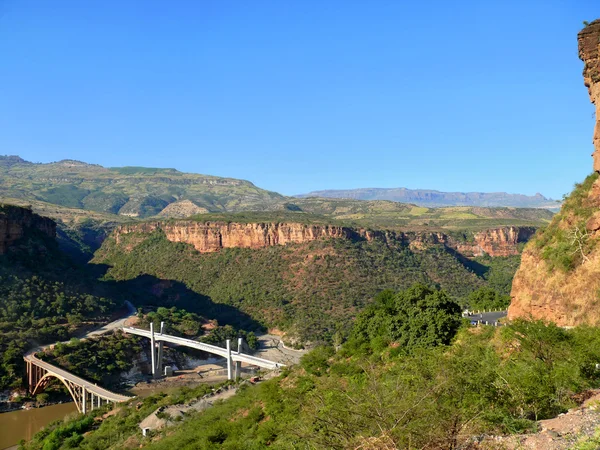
pixel 23 424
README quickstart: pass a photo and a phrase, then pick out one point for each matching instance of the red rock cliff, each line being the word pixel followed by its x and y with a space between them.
pixel 213 236
pixel 541 289
pixel 589 52
pixel 15 221
pixel 503 241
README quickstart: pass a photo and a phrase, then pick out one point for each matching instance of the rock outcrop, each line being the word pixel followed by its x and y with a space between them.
pixel 559 276
pixel 503 241
pixel 16 221
pixel 182 209
pixel 213 236
pixel 589 52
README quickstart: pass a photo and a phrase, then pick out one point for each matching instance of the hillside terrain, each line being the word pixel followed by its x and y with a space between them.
pixel 286 274
pixel 71 192
pixel 127 191
pixel 559 277
pixel 403 216
pixel 409 376
pixel 44 296
pixel 432 198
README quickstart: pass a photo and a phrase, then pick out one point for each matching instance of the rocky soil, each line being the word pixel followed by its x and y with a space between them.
pixel 578 426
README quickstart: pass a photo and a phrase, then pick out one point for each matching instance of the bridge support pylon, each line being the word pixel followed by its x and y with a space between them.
pixel 156 351
pixel 238 364
pixel 159 359
pixel 229 361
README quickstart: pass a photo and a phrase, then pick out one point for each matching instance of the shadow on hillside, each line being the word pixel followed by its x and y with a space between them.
pixel 147 290
pixel 473 266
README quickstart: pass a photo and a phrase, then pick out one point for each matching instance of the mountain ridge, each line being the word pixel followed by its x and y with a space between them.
pixel 433 198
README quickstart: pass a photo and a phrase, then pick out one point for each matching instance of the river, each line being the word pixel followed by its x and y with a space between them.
pixel 23 424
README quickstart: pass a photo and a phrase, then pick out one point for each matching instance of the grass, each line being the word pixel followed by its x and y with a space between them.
pixel 558 242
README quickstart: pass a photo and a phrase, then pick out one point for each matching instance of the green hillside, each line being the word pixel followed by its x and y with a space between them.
pixel 130 191
pixel 44 297
pixel 310 290
pixel 409 377
pixel 70 191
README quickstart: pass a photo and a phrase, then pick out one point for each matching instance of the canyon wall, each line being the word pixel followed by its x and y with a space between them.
pixel 16 221
pixel 214 236
pixel 559 276
pixel 588 41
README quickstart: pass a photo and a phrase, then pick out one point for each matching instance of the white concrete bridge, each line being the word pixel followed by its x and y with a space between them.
pixel 232 357
pixel 86 394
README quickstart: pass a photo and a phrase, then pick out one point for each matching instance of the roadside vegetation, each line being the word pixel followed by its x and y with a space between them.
pixel 411 375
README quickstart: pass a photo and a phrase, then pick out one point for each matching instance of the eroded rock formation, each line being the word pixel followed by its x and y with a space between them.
pixel 542 289
pixel 15 222
pixel 589 52
pixel 213 236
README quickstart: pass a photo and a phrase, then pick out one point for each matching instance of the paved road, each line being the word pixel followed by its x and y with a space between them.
pixel 271 347
pixel 117 324
pixel 491 317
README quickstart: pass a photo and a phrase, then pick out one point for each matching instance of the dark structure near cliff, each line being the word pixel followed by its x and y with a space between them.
pixel 16 221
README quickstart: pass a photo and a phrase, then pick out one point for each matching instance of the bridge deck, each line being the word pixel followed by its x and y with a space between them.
pixel 89 387
pixel 264 363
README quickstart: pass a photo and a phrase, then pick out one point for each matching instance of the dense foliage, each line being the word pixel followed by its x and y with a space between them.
pixel 44 298
pixel 100 359
pixel 414 318
pixel 486 299
pixel 311 290
pixel 488 380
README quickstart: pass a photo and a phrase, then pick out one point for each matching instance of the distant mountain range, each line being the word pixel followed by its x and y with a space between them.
pixel 431 198
pixel 73 191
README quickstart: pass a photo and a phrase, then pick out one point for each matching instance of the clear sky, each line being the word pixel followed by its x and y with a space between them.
pixel 296 96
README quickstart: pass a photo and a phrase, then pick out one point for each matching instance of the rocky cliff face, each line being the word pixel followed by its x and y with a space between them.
pixel 559 276
pixel 15 221
pixel 589 52
pixel 214 236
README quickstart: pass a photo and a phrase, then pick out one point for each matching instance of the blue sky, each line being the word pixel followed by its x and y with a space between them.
pixel 304 95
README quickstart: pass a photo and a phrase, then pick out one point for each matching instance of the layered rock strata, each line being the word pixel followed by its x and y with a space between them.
pixel 589 52
pixel 213 236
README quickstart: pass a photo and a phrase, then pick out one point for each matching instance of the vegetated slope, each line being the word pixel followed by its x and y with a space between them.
pixel 559 278
pixel 130 191
pixel 311 287
pixel 408 377
pixel 44 296
pixel 426 197
pixel 69 190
